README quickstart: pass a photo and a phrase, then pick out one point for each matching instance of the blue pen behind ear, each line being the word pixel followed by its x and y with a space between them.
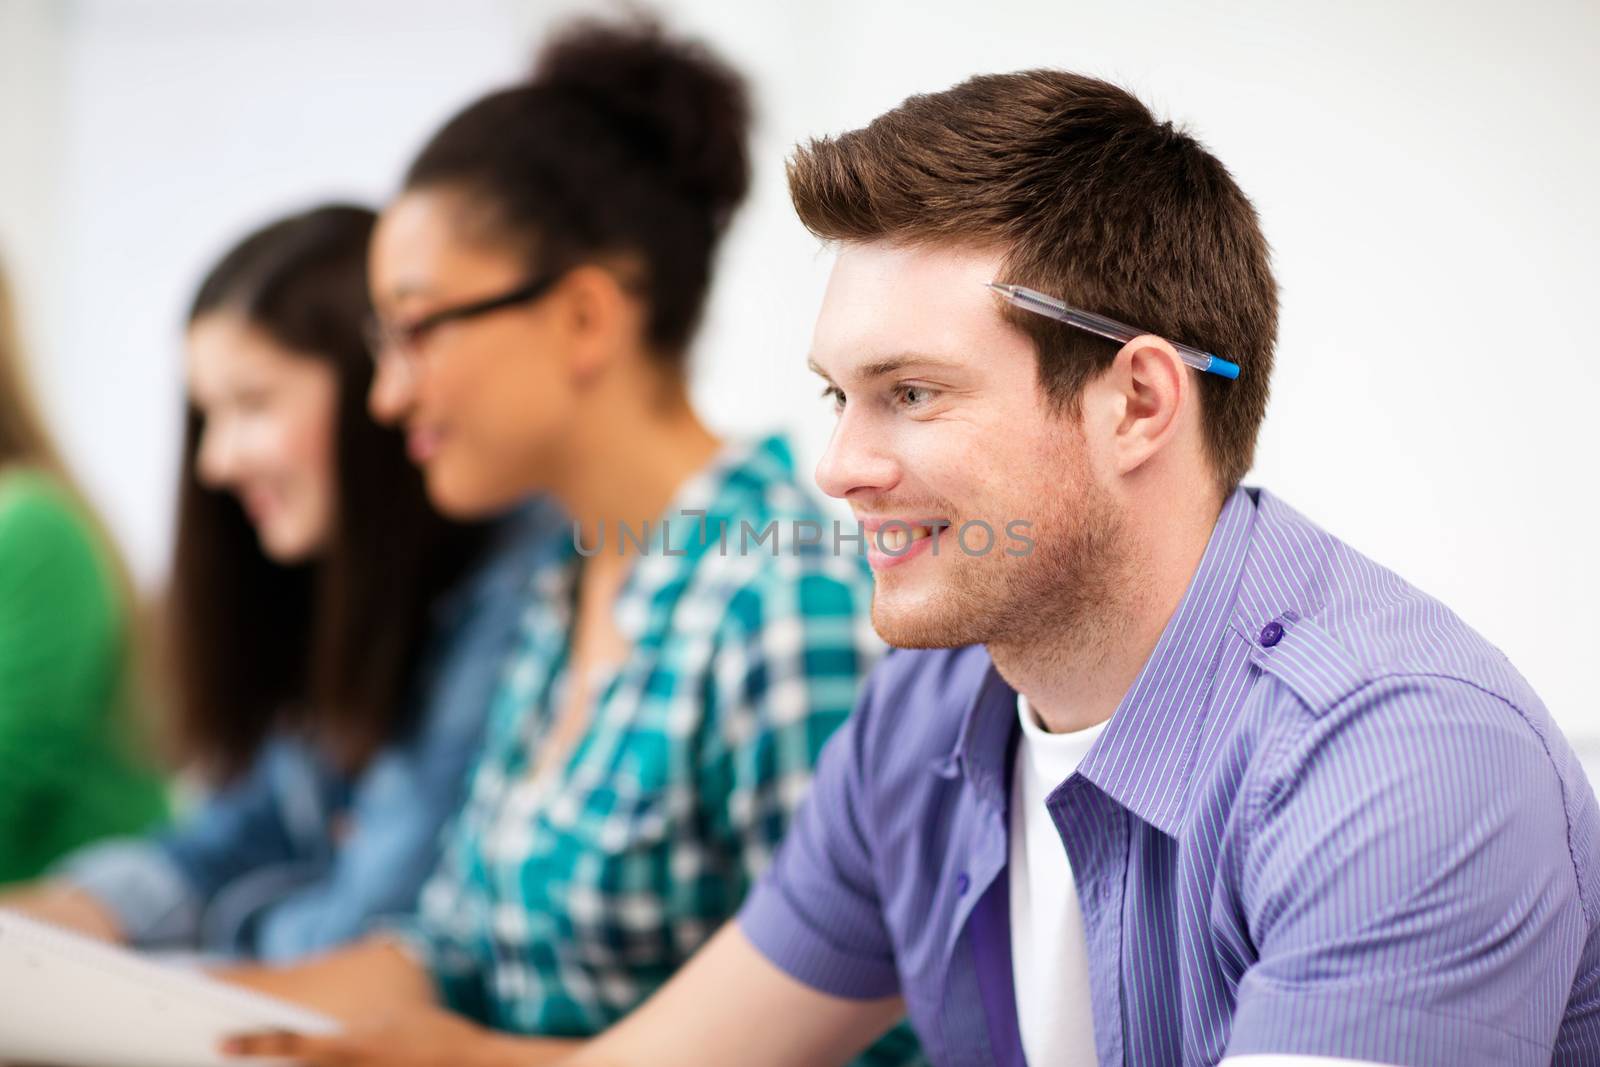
pixel 1112 330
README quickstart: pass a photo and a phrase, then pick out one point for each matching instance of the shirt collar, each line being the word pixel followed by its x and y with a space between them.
pixel 1143 758
pixel 982 748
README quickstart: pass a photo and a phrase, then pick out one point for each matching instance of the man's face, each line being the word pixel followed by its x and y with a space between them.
pixel 944 429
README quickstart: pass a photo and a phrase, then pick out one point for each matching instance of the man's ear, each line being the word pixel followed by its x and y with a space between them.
pixel 1139 400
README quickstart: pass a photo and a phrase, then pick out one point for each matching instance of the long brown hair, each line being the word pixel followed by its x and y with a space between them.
pixel 326 648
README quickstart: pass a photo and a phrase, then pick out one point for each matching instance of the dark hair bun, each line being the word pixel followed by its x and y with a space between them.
pixel 681 106
pixel 623 142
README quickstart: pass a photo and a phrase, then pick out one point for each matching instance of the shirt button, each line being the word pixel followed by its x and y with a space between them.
pixel 963 883
pixel 1271 634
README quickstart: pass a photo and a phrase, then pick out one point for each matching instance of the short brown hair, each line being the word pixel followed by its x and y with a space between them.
pixel 1093 201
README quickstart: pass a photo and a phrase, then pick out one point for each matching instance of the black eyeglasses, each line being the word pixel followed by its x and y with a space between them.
pixel 404 339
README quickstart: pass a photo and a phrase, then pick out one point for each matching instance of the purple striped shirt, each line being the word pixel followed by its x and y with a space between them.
pixel 1327 819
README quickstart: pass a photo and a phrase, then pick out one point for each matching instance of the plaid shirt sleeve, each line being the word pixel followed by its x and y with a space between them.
pixel 790 653
pixel 791 656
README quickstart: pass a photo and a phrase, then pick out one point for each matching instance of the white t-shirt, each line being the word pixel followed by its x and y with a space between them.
pixel 1049 960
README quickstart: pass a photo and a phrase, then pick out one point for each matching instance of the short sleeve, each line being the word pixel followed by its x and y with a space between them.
pixel 1409 886
pixel 817 914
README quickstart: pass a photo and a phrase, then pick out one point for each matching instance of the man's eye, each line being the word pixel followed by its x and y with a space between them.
pixel 914 395
pixel 835 394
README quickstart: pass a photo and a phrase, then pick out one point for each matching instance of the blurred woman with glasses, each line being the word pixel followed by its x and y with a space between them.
pixel 334 641
pixel 539 281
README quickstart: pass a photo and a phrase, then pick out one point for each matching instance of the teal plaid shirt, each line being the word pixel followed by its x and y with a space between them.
pixel 564 900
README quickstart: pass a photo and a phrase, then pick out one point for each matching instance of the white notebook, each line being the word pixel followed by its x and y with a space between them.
pixel 68 1001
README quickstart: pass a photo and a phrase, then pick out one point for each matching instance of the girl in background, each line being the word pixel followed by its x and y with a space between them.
pixel 334 640
pixel 69 771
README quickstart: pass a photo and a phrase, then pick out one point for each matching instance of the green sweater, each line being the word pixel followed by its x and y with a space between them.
pixel 67 774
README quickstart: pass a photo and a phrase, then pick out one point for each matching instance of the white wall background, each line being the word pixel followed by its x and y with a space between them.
pixel 1425 172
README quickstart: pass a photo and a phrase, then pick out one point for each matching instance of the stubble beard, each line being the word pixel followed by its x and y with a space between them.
pixel 1062 593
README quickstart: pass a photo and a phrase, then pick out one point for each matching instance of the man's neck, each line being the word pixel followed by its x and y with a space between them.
pixel 1076 673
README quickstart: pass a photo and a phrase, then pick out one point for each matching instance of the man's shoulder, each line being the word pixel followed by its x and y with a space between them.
pixel 1372 668
pixel 1347 621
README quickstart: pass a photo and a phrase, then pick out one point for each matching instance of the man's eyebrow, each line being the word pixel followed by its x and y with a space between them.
pixel 881 368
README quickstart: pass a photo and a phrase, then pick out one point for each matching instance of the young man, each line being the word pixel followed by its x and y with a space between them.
pixel 1172 776
pixel 1191 780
